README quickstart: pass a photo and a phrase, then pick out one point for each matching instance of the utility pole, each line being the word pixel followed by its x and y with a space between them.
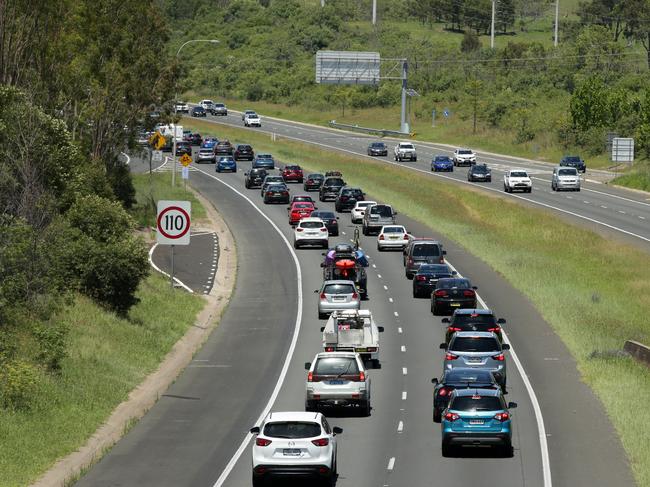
pixel 492 27
pixel 557 18
pixel 374 12
pixel 322 3
pixel 404 126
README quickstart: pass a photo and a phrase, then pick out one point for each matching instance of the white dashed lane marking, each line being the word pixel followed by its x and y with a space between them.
pixel 403 395
pixel 396 313
pixel 404 371
pixel 399 330
pixel 391 463
pixel 400 427
pixel 390 300
pixel 403 348
pixel 385 287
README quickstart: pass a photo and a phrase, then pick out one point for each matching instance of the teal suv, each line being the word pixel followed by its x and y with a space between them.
pixel 477 417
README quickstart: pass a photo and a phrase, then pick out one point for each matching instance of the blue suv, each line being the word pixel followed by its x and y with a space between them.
pixel 442 163
pixel 226 163
pixel 477 417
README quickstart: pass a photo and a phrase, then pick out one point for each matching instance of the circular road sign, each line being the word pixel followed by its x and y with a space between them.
pixel 173 222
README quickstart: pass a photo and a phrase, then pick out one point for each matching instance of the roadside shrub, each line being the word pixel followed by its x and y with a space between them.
pixel 18 383
pixel 99 218
pixel 52 339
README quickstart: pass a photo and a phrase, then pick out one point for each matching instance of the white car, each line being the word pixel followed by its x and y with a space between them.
pixel 359 210
pixel 405 150
pixel 252 120
pixel 181 107
pixel 311 231
pixel 517 180
pixel 246 113
pixel 464 157
pixel 392 237
pixel 207 105
pixel 294 443
pixel 337 379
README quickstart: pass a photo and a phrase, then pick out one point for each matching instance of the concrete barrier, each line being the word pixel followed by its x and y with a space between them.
pixel 638 350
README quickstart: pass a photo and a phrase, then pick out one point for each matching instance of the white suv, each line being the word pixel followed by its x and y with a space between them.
pixel 464 157
pixel 294 443
pixel 337 379
pixel 359 210
pixel 311 231
pixel 252 120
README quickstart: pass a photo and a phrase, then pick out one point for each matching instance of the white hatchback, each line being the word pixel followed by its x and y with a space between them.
pixel 392 237
pixel 359 210
pixel 294 443
pixel 311 231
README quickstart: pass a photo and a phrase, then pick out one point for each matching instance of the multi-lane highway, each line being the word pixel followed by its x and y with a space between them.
pixel 605 208
pixel 196 435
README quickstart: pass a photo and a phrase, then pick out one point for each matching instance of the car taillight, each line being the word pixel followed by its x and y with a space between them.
pixel 453 329
pixel 344 198
pixel 451 417
pixel 323 297
pixel 443 391
pixel 450 356
pixel 268 193
pixel 381 237
pixel 262 441
pixel 442 260
pixel 421 278
pixel 372 349
pixel 469 293
pixel 298 229
pixel 285 193
pixel 440 293
pixel 323 229
pixel 332 221
pixel 321 442
pixel 329 349
pixel 495 330
pixel 355 296
pixel 499 357
pixel 502 417
pixel 362 376
pixel 310 180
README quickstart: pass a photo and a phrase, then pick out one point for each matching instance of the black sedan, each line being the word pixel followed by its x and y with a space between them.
pixel 244 151
pixel 473 320
pixel 183 148
pixel 452 293
pixel 199 112
pixel 330 219
pixel 460 378
pixel 479 172
pixel 194 139
pixel 377 149
pixel 427 276
pixel 254 178
pixel 313 182
pixel 574 161
pixel 276 193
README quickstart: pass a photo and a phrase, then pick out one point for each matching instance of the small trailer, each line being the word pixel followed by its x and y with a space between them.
pixel 353 330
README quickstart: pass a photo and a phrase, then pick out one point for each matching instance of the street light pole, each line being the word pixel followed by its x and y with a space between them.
pixel 211 41
pixel 557 18
pixel 492 26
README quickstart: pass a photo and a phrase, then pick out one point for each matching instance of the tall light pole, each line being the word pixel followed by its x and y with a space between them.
pixel 211 41
pixel 492 26
pixel 557 18
pixel 374 12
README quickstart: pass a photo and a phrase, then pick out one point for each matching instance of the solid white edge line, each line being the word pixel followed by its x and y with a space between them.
pixel 158 269
pixel 294 340
pixel 541 429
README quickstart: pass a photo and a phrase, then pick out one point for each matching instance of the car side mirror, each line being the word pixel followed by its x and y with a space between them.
pixel 337 431
pixel 395 213
pixel 316 290
pixel 445 320
pixel 443 346
pixel 454 273
pixel 288 207
pixel 245 174
pixel 434 380
pixel 380 329
pixel 505 346
pixel 444 252
pixel 315 207
pixel 255 430
pixel 307 365
pixel 512 405
pixel 474 288
pixel 501 321
pixel 322 264
pixel 323 253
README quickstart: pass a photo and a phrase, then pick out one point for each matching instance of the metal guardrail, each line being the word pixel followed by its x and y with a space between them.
pixel 369 130
pixel 638 350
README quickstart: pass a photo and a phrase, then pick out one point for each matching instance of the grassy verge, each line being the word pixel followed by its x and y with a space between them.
pixel 599 298
pixel 108 356
pixel 637 178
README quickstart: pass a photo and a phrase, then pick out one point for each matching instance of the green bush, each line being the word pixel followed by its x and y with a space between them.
pixel 100 219
pixel 19 381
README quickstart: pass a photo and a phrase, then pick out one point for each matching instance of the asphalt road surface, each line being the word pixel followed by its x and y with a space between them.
pixel 607 209
pixel 190 436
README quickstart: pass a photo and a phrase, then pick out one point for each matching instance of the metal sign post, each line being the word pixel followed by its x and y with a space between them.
pixel 173 225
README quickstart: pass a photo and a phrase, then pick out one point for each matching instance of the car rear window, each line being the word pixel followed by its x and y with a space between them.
pixel 426 250
pixel 325 214
pixel 393 229
pixel 275 187
pixel 473 318
pixel 270 179
pixel 336 366
pixel 434 268
pixel 477 403
pixel 303 205
pixel 406 146
pixel 338 289
pixel 381 210
pixel 474 375
pixel 292 429
pixel 365 204
pixel 454 283
pixel 292 168
pixel 474 344
pixel 311 224
pixel 334 181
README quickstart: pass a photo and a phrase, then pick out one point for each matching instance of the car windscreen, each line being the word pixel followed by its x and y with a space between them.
pixel 393 230
pixel 567 172
pixel 442 159
pixel 465 152
pixel 338 289
pixel 352 192
pixel 572 159
pixel 477 403
pixel 474 344
pixel 292 429
pixel 292 168
pixel 461 319
pixel 364 204
pixel 454 283
pixel 426 250
pixel 311 224
pixel 244 147
pixel 206 151
pixel 219 105
pixel 475 375
pixel 336 366
pixel 480 169
pixel 378 145
pixel 518 174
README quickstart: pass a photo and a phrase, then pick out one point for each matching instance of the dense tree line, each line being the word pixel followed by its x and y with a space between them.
pixel 76 78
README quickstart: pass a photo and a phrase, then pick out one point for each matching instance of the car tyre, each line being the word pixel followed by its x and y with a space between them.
pixel 437 415
pixel 258 481
pixel 322 316
pixel 296 245
pixel 507 451
pixel 435 310
pixel 365 409
pixel 447 450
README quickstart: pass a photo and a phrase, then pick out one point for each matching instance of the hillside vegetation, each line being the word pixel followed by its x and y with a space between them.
pixel 525 93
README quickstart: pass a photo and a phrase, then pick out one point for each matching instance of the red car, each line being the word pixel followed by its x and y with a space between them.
pixel 300 210
pixel 292 173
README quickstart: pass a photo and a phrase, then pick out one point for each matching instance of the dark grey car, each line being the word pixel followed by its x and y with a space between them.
pixel 376 217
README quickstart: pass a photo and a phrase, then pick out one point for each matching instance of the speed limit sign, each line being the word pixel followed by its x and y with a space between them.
pixel 173 222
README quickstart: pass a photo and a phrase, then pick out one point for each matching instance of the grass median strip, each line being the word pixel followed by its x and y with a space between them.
pixel 108 356
pixel 594 292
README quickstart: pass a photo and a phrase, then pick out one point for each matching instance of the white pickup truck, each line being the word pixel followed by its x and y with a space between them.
pixel 353 331
pixel 517 180
pixel 405 150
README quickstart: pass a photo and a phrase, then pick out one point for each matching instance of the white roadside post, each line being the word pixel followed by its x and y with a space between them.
pixel 173 224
